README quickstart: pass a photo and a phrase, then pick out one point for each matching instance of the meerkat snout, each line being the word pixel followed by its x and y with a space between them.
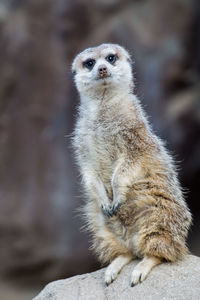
pixel 103 71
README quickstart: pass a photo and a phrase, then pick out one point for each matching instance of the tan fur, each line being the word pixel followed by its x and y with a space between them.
pixel 125 169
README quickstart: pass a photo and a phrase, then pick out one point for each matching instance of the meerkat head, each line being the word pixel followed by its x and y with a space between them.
pixel 107 66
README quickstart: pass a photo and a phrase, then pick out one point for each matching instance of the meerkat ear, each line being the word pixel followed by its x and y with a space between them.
pixel 73 71
pixel 74 67
pixel 129 58
pixel 127 55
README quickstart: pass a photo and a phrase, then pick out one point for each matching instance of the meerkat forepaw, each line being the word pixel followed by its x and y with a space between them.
pixel 107 210
pixel 116 207
pixel 116 204
pixel 110 210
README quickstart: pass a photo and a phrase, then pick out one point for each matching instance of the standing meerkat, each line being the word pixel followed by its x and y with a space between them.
pixel 134 206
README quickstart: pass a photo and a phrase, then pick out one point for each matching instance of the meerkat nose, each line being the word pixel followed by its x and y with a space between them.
pixel 103 71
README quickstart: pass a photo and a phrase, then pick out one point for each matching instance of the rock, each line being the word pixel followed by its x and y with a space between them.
pixel 178 280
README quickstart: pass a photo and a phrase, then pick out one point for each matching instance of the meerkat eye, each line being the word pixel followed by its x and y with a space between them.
pixel 89 63
pixel 111 58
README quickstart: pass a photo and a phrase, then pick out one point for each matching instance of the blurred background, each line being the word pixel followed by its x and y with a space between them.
pixel 40 236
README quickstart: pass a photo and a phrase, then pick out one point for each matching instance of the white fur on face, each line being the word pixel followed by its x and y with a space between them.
pixel 120 73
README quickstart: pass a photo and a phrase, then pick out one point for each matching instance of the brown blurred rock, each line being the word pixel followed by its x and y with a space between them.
pixel 38 229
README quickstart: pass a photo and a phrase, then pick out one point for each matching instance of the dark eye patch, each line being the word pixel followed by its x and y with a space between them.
pixel 89 63
pixel 111 58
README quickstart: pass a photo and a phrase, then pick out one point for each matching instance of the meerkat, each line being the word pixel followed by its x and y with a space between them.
pixel 134 203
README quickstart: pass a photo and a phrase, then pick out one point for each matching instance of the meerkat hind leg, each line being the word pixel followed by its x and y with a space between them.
pixel 115 267
pixel 143 268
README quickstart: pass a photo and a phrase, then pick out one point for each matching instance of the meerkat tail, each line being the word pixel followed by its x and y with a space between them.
pixel 143 268
pixel 115 267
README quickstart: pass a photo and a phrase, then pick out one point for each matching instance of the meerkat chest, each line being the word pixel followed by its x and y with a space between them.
pixel 100 145
pixel 97 147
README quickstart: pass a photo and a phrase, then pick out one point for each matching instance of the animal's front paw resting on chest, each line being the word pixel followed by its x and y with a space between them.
pixel 110 209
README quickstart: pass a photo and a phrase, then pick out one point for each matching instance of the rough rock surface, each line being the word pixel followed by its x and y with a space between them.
pixel 176 281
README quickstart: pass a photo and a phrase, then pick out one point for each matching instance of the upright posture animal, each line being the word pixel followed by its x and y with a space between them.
pixel 134 206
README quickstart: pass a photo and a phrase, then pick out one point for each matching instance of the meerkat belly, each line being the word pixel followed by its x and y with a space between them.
pixel 101 154
pixel 126 235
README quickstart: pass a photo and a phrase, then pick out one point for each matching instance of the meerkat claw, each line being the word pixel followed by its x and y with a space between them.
pixel 140 279
pixel 107 211
pixel 116 207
